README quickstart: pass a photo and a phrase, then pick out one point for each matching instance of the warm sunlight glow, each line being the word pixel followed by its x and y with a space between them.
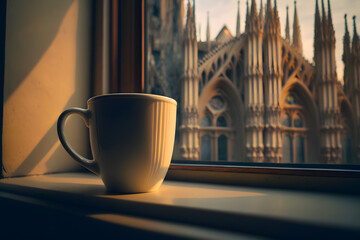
pixel 78 179
pixel 33 108
pixel 172 192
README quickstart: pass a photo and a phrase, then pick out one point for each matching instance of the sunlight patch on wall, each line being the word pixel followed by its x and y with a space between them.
pixel 33 108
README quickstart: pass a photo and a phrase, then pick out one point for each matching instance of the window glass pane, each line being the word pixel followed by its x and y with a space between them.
pixel 287 121
pixel 221 122
pixel 203 78
pixel 222 148
pixel 206 148
pixel 346 148
pixel 192 57
pixel 290 99
pixel 298 122
pixel 205 121
pixel 217 103
pixel 287 149
pixel 300 151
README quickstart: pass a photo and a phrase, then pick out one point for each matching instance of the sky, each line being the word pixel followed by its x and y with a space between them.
pixel 223 12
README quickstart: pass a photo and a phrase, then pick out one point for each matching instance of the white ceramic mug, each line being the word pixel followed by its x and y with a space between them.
pixel 131 137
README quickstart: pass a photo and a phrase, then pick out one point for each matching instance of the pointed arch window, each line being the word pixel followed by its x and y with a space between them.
pixel 298 121
pixel 229 74
pixel 206 148
pixel 221 122
pixel 211 74
pixel 203 78
pixel 238 74
pixel 216 125
pixel 291 100
pixel 205 121
pixel 287 149
pixel 346 134
pixel 300 149
pixel 233 59
pixel 222 148
pixel 346 147
pixel 346 140
pixel 295 131
pixel 286 121
pixel 218 63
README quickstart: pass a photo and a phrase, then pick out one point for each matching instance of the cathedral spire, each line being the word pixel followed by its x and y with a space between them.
pixel 261 14
pixel 269 15
pixel 354 20
pixel 325 74
pixel 190 83
pixel 296 31
pixel 330 26
pixel 247 10
pixel 238 20
pixel 323 11
pixel 324 21
pixel 318 35
pixel 355 41
pixel 253 11
pixel 346 40
pixel 317 15
pixel 272 23
pixel 329 15
pixel 287 28
pixel 208 31
pixel 273 73
pixel 190 28
pixel 268 7
pixel 346 25
pixel 253 76
pixel 346 57
pixel 252 22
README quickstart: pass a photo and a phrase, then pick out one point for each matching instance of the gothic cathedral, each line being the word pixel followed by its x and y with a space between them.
pixel 253 97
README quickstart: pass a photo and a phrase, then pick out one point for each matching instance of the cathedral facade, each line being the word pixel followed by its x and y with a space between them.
pixel 253 97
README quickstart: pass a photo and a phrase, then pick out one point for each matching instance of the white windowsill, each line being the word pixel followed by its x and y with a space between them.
pixel 199 210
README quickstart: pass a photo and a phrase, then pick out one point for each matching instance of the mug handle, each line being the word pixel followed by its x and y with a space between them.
pixel 85 114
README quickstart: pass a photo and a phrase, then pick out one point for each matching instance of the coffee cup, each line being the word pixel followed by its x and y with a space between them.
pixel 131 138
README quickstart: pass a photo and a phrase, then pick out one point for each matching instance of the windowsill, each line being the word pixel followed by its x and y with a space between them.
pixel 196 209
pixel 305 177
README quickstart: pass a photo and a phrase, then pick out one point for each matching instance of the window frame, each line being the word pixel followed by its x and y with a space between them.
pixel 344 179
pixel 133 12
pixel 128 59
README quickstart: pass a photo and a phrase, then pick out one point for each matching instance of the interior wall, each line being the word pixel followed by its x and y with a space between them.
pixel 47 70
pixel 2 64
